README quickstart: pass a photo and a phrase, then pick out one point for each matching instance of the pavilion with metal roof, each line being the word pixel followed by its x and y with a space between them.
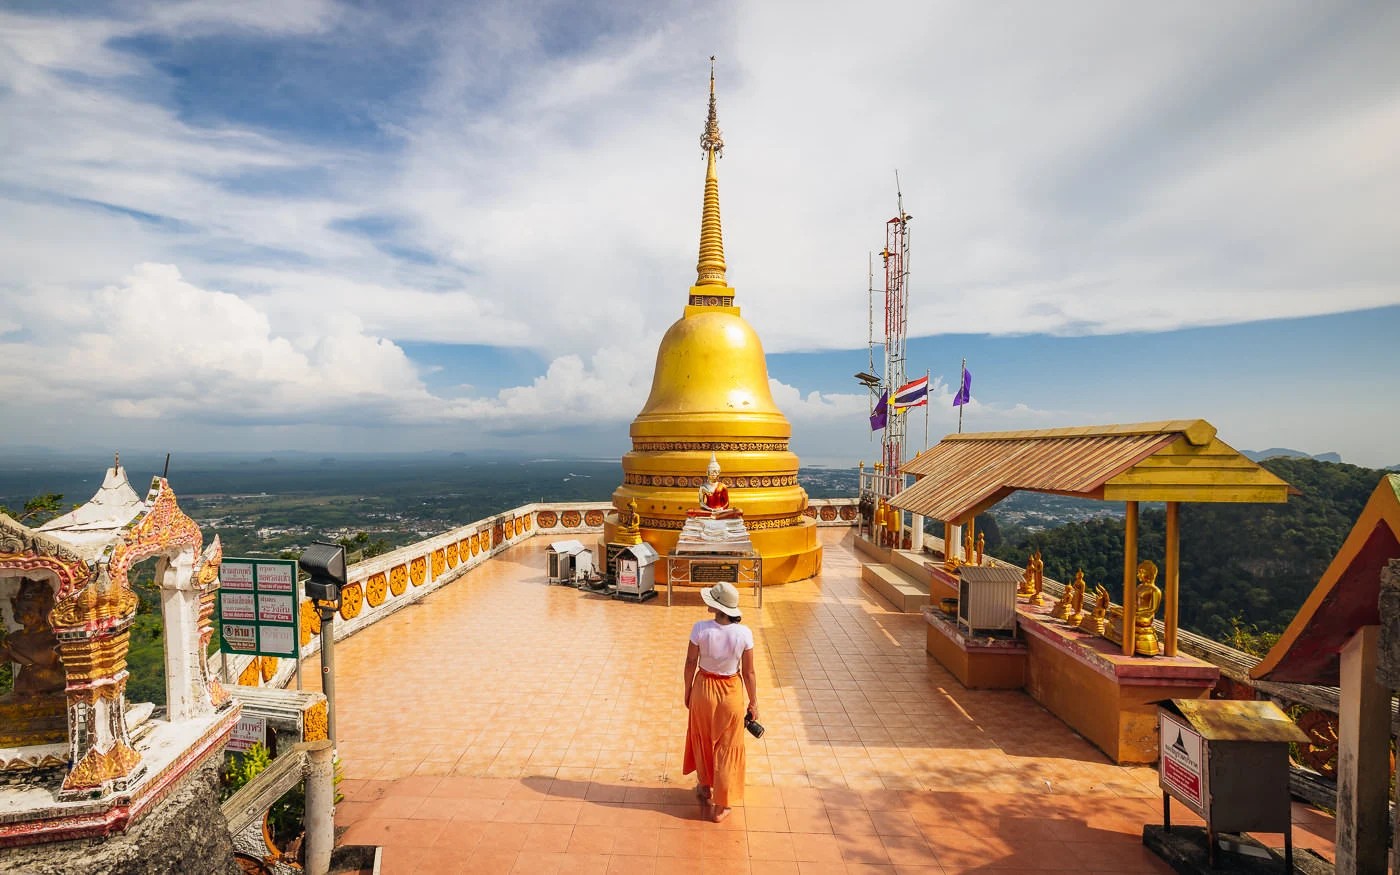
pixel 1171 461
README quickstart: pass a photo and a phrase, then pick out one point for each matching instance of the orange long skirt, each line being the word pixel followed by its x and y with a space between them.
pixel 714 742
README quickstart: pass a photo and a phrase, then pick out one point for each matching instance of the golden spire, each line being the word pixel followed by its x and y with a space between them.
pixel 710 269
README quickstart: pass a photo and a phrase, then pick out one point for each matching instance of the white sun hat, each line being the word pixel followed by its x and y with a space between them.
pixel 722 597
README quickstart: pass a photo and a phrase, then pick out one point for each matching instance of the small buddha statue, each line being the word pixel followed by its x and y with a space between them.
pixel 1027 584
pixel 629 529
pixel 34 646
pixel 981 546
pixel 1149 598
pixel 1097 622
pixel 1076 605
pixel 714 496
pixel 969 548
pixel 1038 581
pixel 1065 606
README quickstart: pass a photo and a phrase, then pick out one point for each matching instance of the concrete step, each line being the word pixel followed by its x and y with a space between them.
pixel 904 592
pixel 912 564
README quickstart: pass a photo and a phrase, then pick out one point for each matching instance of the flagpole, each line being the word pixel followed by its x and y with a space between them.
pixel 962 378
pixel 927 374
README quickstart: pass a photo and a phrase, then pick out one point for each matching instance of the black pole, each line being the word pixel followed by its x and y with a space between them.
pixel 328 666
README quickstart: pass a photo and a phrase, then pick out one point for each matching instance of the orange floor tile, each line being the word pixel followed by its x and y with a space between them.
pixel 505 725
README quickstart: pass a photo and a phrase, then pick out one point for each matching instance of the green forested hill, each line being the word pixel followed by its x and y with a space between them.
pixel 1249 565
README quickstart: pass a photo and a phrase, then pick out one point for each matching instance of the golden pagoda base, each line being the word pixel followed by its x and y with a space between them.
pixel 789 553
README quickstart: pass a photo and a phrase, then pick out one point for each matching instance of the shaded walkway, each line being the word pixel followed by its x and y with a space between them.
pixel 505 725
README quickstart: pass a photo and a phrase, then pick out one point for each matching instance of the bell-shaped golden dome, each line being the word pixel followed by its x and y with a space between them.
pixel 711 380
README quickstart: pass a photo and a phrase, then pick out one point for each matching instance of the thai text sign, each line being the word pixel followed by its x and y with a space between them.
pixel 1182 766
pixel 258 606
pixel 247 732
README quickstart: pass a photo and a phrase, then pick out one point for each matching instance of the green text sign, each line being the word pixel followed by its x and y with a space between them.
pixel 258 606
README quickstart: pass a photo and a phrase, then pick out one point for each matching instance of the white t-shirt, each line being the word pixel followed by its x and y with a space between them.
pixel 721 647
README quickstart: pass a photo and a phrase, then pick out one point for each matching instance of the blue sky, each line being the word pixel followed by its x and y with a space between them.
pixel 279 224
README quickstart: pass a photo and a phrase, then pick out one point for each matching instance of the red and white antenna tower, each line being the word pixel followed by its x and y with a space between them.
pixel 896 260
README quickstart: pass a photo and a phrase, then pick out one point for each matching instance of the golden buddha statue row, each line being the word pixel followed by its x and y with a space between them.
pixel 1103 620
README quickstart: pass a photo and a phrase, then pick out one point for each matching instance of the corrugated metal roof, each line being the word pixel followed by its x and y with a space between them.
pixel 1236 720
pixel 966 473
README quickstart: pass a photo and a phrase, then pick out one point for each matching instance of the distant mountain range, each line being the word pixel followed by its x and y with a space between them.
pixel 1284 452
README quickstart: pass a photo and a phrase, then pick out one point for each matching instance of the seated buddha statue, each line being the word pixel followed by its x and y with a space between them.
pixel 34 647
pixel 714 496
pixel 629 528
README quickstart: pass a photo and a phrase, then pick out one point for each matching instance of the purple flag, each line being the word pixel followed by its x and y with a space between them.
pixel 965 391
pixel 882 412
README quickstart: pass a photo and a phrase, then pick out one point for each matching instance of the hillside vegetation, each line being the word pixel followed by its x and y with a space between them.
pixel 1243 566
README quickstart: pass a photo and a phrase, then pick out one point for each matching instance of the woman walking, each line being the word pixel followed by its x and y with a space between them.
pixel 719 656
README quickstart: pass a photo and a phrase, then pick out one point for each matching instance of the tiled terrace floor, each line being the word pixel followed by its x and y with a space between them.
pixel 503 725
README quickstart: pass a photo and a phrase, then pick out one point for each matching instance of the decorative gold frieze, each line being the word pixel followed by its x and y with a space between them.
pixel 398 579
pixel 418 571
pixel 710 446
pixel 652 522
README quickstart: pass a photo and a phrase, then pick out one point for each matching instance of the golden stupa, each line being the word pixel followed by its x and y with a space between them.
pixel 710 397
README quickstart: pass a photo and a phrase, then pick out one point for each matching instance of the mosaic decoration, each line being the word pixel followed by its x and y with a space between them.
pixel 651 522
pixel 476 544
pixel 452 555
pixel 498 533
pixel 439 562
pixel 464 549
pixel 485 540
pixel 828 513
pixel 418 571
pixel 848 512
pixel 376 588
pixel 398 579
pixel 510 529
pixel 571 518
pixel 527 522
pixel 593 518
pixel 810 512
pixel 351 599
pixel 711 446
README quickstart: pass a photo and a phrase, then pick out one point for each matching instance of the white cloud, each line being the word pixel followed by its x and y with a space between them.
pixel 1071 169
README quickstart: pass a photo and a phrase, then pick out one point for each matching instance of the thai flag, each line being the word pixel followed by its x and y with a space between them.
pixel 913 394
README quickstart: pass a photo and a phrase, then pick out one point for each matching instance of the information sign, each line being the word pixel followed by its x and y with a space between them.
pixel 247 732
pixel 1182 771
pixel 258 607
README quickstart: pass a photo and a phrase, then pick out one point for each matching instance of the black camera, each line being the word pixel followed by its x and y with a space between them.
pixel 753 726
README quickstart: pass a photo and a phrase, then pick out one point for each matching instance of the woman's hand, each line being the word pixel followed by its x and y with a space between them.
pixel 753 711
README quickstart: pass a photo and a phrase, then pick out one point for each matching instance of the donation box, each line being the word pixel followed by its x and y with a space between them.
pixel 987 597
pixel 566 559
pixel 1227 761
pixel 636 571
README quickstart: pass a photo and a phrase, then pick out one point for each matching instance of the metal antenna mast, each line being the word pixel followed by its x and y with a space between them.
pixel 896 258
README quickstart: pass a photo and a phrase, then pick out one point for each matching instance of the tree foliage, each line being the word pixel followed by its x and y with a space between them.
pixel 37 510
pixel 1245 568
